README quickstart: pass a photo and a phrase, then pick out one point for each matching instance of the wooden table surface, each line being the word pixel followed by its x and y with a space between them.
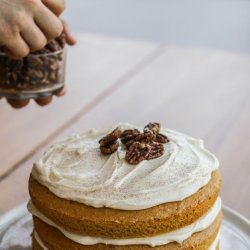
pixel 202 92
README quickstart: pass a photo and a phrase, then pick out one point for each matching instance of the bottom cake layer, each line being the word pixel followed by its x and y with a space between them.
pixel 46 237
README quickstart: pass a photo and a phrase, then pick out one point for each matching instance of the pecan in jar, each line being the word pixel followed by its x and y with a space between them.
pixel 39 75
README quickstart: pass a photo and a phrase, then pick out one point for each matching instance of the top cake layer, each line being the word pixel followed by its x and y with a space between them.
pixel 75 169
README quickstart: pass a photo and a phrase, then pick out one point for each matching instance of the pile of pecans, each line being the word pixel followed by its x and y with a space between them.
pixel 146 145
pixel 40 69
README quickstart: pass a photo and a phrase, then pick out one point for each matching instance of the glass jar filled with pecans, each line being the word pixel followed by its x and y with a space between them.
pixel 38 76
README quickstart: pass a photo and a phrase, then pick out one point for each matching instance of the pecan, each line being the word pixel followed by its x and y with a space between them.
pixel 161 138
pixel 154 127
pixel 145 137
pixel 109 143
pixel 128 135
pixel 140 146
pixel 137 152
pixel 156 150
pixel 110 138
pixel 109 149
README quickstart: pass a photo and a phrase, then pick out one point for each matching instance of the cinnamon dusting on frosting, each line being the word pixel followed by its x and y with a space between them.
pixel 74 169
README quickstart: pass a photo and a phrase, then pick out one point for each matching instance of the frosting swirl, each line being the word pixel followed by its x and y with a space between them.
pixel 74 169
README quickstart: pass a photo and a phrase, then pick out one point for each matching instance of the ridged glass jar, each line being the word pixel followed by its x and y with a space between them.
pixel 33 77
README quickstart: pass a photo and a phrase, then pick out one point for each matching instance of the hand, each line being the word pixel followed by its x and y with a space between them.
pixel 28 25
pixel 42 101
pixel 70 39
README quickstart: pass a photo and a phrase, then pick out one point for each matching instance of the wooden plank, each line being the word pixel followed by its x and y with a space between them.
pixel 93 66
pixel 204 93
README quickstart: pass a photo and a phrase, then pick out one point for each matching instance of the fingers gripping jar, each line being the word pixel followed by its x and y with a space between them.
pixel 38 76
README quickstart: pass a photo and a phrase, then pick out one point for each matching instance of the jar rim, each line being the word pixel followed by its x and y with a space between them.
pixel 40 55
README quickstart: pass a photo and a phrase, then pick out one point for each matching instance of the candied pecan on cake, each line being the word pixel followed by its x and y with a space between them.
pixel 128 135
pixel 145 137
pixel 109 143
pixel 161 138
pixel 137 152
pixel 156 150
pixel 152 126
pixel 140 146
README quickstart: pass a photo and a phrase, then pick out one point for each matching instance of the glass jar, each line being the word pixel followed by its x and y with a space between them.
pixel 36 76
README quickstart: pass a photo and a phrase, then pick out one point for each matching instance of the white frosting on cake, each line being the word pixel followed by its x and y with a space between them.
pixel 178 235
pixel 212 247
pixel 75 169
pixel 39 241
pixel 215 243
pixel 41 244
